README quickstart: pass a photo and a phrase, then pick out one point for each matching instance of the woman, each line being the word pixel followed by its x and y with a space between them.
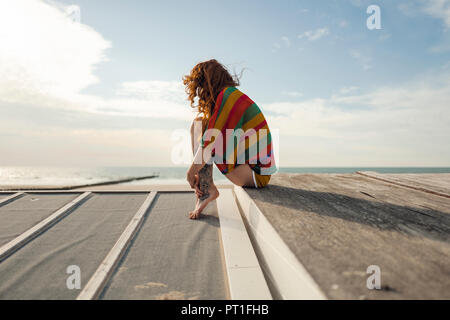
pixel 230 131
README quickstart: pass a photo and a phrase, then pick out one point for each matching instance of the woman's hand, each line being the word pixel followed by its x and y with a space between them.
pixel 198 192
pixel 193 179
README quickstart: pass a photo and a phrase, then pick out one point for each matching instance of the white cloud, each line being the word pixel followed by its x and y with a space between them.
pixel 343 23
pixel 364 60
pixel 346 90
pixel 408 8
pixel 384 36
pixel 286 41
pixel 294 94
pixel 156 99
pixel 439 9
pixel 313 35
pixel 275 47
pixel 43 51
pixel 440 48
pixel 46 59
pixel 408 125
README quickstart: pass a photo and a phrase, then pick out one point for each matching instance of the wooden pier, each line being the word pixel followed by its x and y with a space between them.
pixel 337 225
pixel 305 236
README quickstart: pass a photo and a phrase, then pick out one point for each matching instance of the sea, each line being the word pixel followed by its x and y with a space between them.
pixel 71 176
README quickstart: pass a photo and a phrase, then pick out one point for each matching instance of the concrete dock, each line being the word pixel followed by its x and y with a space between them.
pixel 305 236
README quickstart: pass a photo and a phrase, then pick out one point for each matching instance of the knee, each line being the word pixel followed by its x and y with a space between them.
pixel 235 180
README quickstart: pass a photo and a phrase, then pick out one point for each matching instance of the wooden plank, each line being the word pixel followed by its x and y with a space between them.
pixel 245 278
pixel 337 225
pixel 413 181
pixel 11 198
pixel 15 244
pixel 96 283
pixel 287 274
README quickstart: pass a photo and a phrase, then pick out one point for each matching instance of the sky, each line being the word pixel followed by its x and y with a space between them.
pixel 98 82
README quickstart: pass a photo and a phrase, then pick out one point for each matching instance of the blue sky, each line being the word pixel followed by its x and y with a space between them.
pixel 106 91
pixel 161 40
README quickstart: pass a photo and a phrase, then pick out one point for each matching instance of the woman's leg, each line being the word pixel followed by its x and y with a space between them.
pixel 205 180
pixel 242 176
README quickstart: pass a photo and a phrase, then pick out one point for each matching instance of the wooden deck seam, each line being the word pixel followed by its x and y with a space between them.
pixel 403 185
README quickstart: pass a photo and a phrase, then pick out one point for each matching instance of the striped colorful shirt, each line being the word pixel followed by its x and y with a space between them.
pixel 237 133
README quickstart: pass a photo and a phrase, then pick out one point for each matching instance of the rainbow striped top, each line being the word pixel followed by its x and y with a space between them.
pixel 237 133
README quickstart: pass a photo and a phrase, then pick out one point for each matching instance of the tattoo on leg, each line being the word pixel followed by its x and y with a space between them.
pixel 205 180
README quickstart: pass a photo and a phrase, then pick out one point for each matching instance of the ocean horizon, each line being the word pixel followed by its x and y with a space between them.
pixel 70 176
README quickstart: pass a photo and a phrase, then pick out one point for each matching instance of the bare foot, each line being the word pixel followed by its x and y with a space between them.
pixel 201 204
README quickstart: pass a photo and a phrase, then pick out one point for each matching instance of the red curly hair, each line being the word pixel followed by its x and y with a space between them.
pixel 206 81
